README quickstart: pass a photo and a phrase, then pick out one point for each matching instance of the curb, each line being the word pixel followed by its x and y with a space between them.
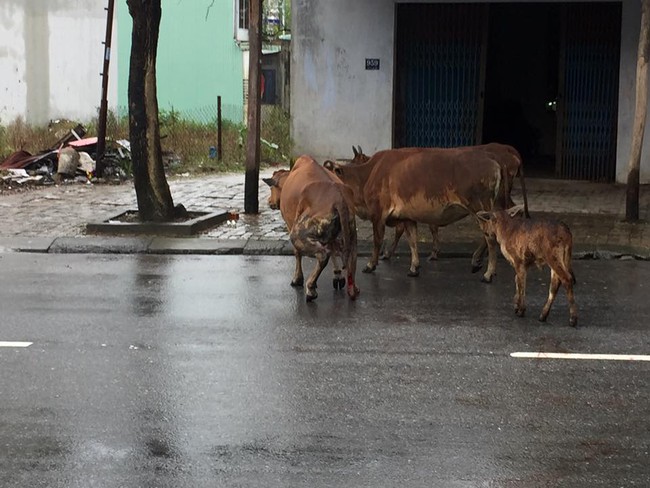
pixel 208 246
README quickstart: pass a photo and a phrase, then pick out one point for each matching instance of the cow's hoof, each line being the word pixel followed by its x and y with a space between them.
pixel 369 269
pixel 573 321
pixel 476 268
pixel 338 283
pixel 385 257
pixel 434 257
pixel 520 312
pixel 298 282
pixel 353 292
pixel 486 279
pixel 311 294
pixel 413 274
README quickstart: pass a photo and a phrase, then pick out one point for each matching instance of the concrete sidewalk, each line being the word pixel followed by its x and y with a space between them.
pixel 53 219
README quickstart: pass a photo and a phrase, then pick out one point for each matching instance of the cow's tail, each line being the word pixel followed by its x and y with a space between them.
pixel 523 188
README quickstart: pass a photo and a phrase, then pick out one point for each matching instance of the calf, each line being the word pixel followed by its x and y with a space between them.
pixel 527 242
pixel 319 214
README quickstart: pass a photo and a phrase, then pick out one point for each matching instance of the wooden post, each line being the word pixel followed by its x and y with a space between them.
pixel 251 183
pixel 640 111
pixel 219 131
pixel 103 106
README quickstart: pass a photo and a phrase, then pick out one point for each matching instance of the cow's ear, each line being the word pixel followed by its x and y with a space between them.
pixel 360 151
pixel 354 150
pixel 484 216
pixel 270 181
pixel 329 165
pixel 516 210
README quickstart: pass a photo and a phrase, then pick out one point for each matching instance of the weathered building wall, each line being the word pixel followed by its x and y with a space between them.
pixel 51 58
pixel 337 103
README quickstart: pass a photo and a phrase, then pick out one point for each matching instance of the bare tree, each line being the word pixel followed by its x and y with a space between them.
pixel 634 165
pixel 251 183
pixel 155 202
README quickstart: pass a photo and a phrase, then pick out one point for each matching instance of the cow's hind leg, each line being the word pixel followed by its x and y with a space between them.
pixel 310 289
pixel 552 293
pixel 298 277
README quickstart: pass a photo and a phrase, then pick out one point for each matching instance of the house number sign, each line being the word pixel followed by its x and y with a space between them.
pixel 372 63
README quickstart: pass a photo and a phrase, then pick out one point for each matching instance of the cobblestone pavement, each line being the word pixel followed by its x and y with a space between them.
pixel 594 211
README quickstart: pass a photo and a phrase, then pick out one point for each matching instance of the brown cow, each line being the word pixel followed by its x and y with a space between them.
pixel 437 186
pixel 319 214
pixel 507 156
pixel 527 242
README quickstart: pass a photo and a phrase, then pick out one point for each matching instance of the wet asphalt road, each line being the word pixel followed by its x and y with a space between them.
pixel 186 371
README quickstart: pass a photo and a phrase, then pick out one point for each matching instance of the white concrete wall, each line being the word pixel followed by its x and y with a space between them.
pixel 336 103
pixel 51 58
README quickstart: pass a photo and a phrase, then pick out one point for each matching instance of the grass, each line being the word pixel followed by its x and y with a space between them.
pixel 185 140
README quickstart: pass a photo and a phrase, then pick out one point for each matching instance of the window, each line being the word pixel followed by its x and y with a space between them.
pixel 242 16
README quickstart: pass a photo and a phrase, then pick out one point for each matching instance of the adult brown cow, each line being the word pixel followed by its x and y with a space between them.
pixel 507 156
pixel 436 186
pixel 319 214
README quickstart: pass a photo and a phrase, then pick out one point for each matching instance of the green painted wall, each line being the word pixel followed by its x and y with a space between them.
pixel 198 58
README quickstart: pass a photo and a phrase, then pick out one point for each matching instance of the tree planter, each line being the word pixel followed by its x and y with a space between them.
pixel 128 223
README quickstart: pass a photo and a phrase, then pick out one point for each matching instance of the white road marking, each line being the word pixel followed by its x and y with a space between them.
pixel 15 344
pixel 575 355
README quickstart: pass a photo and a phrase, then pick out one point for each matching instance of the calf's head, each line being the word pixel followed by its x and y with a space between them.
pixel 275 182
pixel 490 221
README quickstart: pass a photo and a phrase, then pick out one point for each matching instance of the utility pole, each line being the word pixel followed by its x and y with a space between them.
pixel 103 107
pixel 640 111
pixel 251 183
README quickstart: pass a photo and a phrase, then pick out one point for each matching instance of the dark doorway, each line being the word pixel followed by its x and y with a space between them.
pixel 521 83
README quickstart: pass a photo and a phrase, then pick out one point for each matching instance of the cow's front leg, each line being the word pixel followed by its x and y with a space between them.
pixel 435 242
pixel 378 230
pixel 412 237
pixel 321 261
pixel 492 260
pixel 399 230
pixel 298 278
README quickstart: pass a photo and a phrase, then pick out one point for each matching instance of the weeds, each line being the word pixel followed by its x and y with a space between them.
pixel 186 140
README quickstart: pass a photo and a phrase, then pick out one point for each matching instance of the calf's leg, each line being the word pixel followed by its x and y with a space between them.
pixel 520 290
pixel 552 292
pixel 491 243
pixel 477 257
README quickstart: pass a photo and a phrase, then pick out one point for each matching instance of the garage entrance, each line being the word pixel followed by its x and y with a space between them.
pixel 540 76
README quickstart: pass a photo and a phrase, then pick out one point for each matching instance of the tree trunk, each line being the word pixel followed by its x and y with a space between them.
pixel 155 202
pixel 634 165
pixel 251 184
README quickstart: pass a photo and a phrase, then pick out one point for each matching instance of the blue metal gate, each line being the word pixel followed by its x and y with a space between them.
pixel 588 98
pixel 440 60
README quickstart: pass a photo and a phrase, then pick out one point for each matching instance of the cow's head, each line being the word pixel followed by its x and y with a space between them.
pixel 359 157
pixel 275 182
pixel 489 221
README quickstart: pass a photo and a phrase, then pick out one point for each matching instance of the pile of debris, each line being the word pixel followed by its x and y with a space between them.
pixel 71 158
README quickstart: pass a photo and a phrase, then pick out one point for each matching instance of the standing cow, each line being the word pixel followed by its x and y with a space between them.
pixel 319 214
pixel 509 159
pixel 436 186
pixel 528 242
